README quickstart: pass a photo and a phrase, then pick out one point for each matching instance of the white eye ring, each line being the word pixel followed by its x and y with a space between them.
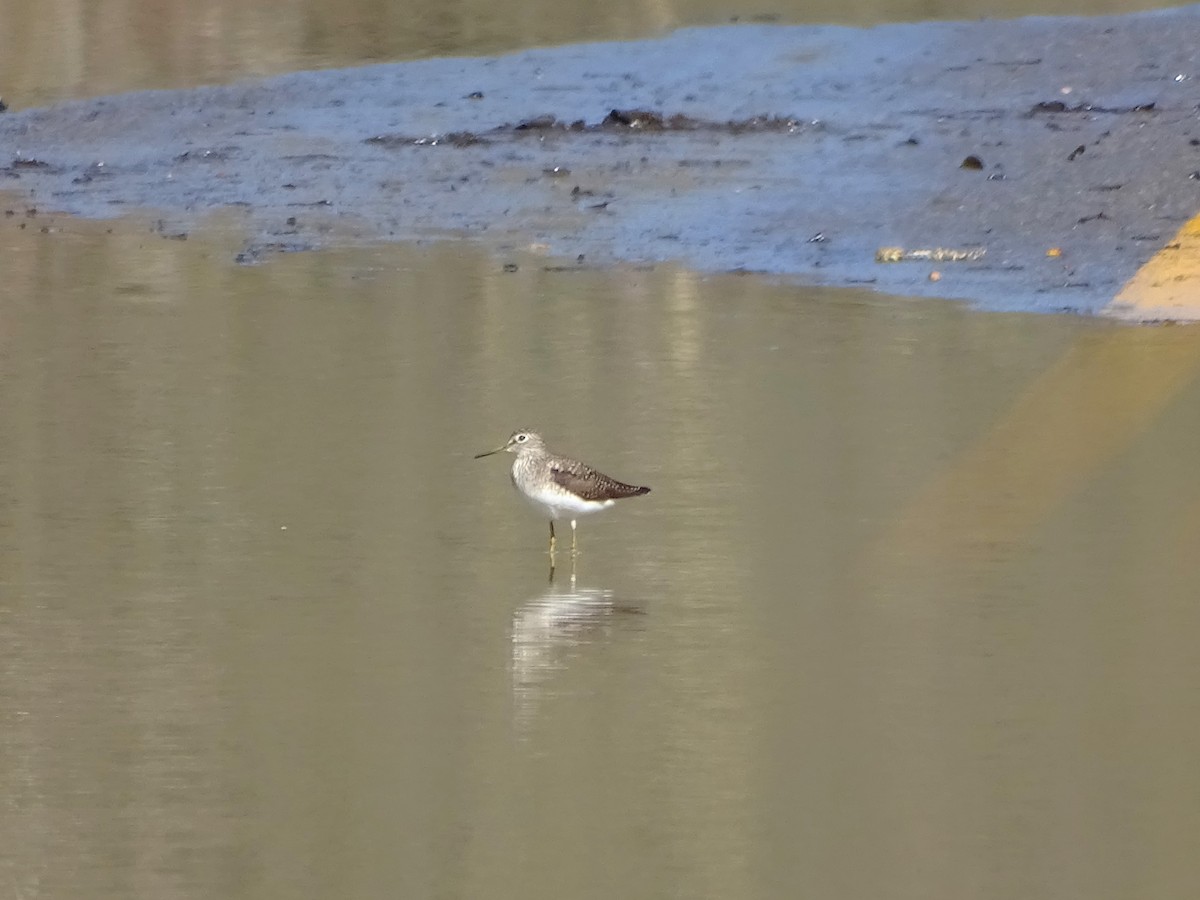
pixel 521 438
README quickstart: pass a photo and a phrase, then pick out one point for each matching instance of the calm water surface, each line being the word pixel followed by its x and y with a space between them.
pixel 910 612
pixel 53 50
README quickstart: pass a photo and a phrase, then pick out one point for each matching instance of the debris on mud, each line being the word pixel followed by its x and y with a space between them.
pixel 618 120
pixel 1058 106
pixel 935 254
pixel 213 154
pixel 25 164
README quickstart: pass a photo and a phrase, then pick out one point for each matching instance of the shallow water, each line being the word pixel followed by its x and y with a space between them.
pixel 52 51
pixel 909 611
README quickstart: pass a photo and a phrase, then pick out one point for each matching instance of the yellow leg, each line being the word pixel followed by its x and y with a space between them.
pixel 573 550
pixel 551 537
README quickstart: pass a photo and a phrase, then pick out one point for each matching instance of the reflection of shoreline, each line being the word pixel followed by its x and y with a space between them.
pixel 1056 439
pixel 550 629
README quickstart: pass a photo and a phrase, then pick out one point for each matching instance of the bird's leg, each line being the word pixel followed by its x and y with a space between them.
pixel 551 537
pixel 573 549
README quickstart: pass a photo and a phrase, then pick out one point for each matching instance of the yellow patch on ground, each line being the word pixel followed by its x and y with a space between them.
pixel 1168 286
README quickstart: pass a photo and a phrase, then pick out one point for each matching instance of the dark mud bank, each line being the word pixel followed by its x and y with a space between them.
pixel 793 151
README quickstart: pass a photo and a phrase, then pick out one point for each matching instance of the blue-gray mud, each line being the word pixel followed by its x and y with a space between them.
pixel 792 151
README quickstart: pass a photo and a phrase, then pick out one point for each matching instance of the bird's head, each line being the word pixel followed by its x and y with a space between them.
pixel 518 442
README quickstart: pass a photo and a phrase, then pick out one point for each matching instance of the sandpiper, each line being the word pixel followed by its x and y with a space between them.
pixel 559 486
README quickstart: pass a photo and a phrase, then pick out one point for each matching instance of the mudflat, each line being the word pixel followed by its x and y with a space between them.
pixel 1032 164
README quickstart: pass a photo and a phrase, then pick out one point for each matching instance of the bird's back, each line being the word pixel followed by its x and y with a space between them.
pixel 588 483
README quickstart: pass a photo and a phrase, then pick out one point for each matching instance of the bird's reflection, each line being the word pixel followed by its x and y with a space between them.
pixel 552 629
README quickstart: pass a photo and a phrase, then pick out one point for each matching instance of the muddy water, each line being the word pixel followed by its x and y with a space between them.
pixel 52 50
pixel 910 611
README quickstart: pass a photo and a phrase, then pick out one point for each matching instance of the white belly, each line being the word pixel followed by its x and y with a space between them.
pixel 560 504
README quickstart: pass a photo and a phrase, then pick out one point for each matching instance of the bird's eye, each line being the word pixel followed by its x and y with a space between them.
pixel 521 438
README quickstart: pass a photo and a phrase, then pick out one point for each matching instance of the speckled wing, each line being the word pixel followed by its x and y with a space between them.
pixel 588 484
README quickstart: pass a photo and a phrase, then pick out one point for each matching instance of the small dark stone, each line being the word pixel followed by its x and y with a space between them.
pixel 971 162
pixel 474 95
pixel 1076 153
pixel 510 267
